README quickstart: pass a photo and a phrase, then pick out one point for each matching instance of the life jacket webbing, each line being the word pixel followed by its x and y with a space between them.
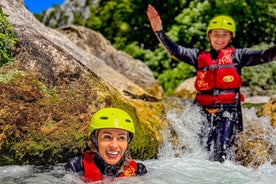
pixel 216 66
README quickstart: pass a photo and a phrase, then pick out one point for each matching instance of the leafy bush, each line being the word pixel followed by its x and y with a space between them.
pixel 7 39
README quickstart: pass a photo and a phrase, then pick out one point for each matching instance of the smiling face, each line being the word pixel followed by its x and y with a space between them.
pixel 112 144
pixel 219 38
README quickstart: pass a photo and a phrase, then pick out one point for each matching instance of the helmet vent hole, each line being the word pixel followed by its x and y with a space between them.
pixel 127 120
pixel 229 23
pixel 104 117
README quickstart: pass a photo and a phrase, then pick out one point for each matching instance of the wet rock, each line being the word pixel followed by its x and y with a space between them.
pixel 53 87
pixel 269 109
pixel 253 146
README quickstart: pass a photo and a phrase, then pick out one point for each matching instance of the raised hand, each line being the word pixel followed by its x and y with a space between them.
pixel 154 18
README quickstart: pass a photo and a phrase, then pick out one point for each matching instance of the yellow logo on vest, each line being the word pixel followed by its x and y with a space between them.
pixel 129 171
pixel 228 78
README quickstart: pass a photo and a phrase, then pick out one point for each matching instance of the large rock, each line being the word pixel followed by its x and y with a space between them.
pixel 53 88
pixel 95 44
pixel 36 39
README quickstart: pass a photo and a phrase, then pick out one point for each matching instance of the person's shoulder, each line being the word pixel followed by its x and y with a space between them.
pixel 141 169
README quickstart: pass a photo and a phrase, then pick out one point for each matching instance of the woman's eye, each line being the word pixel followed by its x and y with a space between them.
pixel 107 137
pixel 122 138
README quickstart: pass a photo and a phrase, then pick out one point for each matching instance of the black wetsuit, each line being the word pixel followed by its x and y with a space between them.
pixel 222 125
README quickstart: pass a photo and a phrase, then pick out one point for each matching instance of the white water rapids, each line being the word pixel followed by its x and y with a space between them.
pixel 185 165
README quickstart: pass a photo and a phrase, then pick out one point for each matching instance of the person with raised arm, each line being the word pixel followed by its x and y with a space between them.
pixel 218 78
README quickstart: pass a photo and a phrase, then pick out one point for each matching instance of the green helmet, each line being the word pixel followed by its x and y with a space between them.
pixel 222 22
pixel 111 118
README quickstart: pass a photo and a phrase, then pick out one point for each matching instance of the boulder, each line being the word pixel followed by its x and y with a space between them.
pixel 54 86
pixel 95 44
pixel 186 89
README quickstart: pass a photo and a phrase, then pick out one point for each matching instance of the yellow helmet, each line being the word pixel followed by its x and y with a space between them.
pixel 222 22
pixel 112 118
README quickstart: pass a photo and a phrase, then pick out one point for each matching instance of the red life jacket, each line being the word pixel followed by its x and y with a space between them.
pixel 217 81
pixel 92 173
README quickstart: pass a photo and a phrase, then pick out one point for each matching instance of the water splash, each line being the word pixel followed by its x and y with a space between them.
pixel 182 134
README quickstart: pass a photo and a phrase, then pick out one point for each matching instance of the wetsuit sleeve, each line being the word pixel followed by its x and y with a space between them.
pixel 249 57
pixel 141 169
pixel 187 55
pixel 74 164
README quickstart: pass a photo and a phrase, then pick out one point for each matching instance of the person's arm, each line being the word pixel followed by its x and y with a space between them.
pixel 249 57
pixel 187 55
pixel 74 164
pixel 141 169
pixel 181 53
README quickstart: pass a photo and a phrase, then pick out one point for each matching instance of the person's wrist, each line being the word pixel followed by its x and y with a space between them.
pixel 159 30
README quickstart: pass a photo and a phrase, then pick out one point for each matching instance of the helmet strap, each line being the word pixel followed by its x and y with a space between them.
pixel 130 137
pixel 94 140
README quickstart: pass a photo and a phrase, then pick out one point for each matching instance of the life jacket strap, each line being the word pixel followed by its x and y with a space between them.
pixel 216 66
pixel 216 92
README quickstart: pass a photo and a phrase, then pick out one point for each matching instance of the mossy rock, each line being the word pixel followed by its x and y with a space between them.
pixel 269 109
pixel 47 125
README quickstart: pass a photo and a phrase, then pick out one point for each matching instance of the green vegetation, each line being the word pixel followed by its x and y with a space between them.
pixel 7 39
pixel 125 24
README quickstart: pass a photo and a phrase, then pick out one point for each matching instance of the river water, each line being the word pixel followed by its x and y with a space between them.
pixel 175 165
